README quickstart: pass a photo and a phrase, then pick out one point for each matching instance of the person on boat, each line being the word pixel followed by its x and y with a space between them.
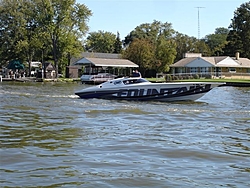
pixel 136 73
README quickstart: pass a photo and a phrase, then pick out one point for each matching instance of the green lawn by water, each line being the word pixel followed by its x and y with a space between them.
pixel 200 80
pixel 163 80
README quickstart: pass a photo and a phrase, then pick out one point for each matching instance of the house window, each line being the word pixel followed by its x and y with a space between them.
pixel 204 70
pixel 193 70
pixel 248 70
pixel 232 70
pixel 217 69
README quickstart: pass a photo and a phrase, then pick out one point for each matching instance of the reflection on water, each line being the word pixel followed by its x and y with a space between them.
pixel 51 138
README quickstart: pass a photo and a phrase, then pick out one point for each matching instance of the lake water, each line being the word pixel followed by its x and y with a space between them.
pixel 51 138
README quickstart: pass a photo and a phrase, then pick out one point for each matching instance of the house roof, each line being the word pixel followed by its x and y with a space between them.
pixel 243 62
pixel 101 55
pixel 103 60
pixel 94 55
pixel 218 61
pixel 183 62
pixel 106 62
pixel 49 66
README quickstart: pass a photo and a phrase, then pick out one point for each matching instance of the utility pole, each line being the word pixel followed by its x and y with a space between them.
pixel 199 21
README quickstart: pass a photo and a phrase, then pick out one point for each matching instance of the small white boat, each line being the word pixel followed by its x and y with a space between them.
pixel 97 78
pixel 142 90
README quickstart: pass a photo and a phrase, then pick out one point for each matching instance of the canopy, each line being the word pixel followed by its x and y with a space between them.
pixel 101 62
pixel 15 64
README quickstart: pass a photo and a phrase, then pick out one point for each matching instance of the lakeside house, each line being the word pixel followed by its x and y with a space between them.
pixel 212 67
pixel 93 63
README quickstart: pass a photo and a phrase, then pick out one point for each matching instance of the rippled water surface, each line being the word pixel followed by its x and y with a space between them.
pixel 51 138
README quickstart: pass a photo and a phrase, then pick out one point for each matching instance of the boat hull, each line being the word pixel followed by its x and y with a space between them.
pixel 151 92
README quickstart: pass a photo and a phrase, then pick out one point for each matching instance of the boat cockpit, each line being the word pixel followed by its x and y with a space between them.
pixel 124 81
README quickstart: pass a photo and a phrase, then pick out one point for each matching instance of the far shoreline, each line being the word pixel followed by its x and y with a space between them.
pixel 225 82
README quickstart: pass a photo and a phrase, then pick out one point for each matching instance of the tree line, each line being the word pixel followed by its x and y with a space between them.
pixel 53 30
pixel 42 30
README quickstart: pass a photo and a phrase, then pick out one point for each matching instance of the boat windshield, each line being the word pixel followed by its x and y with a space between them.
pixel 134 81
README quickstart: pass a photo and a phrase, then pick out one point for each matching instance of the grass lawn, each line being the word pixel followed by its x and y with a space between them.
pixel 200 80
pixel 163 80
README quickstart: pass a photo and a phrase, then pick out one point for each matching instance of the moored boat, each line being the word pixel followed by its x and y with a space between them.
pixel 143 90
pixel 97 79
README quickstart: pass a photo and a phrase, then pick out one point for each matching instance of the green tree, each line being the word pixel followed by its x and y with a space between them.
pixel 12 26
pixel 200 46
pixel 65 23
pixel 217 41
pixel 187 44
pixel 160 37
pixel 141 52
pixel 184 44
pixel 29 41
pixel 42 28
pixel 118 44
pixel 164 54
pixel 150 32
pixel 239 32
pixel 103 42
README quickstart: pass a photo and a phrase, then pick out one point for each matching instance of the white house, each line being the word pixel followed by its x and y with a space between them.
pixel 217 66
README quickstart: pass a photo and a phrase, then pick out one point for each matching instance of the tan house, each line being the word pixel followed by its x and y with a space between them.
pixel 94 63
pixel 212 67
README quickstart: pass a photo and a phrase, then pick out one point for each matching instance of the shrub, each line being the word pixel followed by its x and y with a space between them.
pixel 175 77
pixel 168 77
pixel 196 76
pixel 208 76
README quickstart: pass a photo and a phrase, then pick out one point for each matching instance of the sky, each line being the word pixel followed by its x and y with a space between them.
pixel 124 16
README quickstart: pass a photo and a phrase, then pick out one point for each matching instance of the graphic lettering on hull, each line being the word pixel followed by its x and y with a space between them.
pixel 163 91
